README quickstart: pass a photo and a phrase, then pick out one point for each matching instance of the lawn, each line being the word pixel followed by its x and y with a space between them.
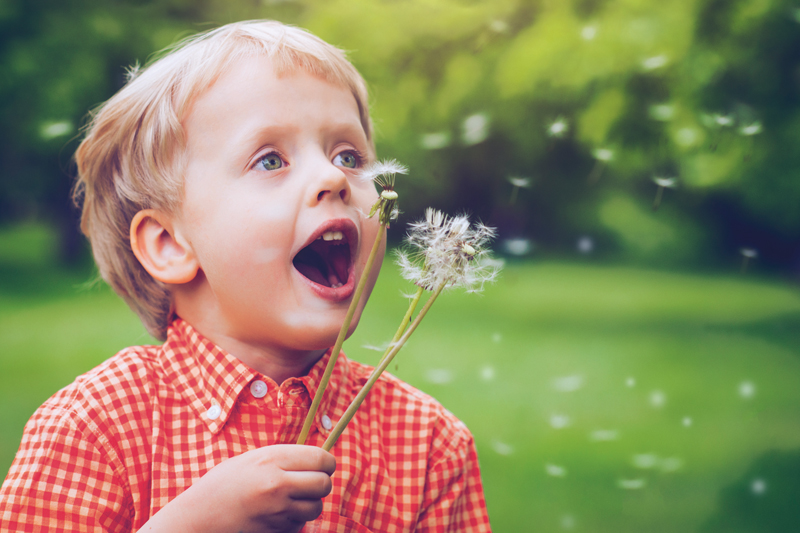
pixel 602 398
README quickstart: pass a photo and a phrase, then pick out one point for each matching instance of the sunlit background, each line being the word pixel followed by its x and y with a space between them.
pixel 636 367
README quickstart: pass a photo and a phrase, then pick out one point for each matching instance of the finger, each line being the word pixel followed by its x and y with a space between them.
pixel 293 457
pixel 304 510
pixel 308 485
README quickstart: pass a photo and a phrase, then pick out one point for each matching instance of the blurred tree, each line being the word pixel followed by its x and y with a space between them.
pixel 588 100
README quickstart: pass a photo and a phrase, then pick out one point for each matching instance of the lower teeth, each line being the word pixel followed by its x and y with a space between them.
pixel 336 285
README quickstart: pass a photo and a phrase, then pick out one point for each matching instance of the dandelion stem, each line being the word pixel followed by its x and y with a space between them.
pixel 657 201
pixel 342 334
pixel 356 403
pixel 404 323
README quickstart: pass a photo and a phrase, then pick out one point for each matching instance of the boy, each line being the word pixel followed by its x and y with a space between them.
pixel 220 193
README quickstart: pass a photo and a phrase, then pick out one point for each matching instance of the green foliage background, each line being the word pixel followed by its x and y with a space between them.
pixel 668 87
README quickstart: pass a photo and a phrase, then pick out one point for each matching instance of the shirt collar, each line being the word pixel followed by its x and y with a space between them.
pixel 211 379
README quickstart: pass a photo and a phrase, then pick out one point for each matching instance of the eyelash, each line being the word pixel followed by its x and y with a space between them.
pixel 359 156
pixel 267 155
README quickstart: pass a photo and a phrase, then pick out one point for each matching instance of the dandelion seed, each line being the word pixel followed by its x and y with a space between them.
pixel 603 154
pixel 560 421
pixel 496 337
pixel 758 486
pixel 687 421
pixel 475 129
pixel 568 383
pixel 687 137
pixel 748 254
pixel 671 464
pixel 439 376
pixel 558 128
pixel 435 141
pixel 555 470
pixel 603 157
pixel 658 398
pixel 723 121
pixel 375 348
pixel 751 129
pixel 630 382
pixel 449 250
pixel 663 183
pixel 588 33
pixel 585 245
pixel 662 112
pixel 604 435
pixel 568 522
pixel 655 62
pixel 645 461
pixel 51 130
pixel 501 448
pixel 517 247
pixel 498 26
pixel 487 373
pixel 747 390
pixel 518 183
pixel 631 484
pixel 132 72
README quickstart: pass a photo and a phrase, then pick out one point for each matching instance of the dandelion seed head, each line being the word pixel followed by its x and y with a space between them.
pixel 445 249
pixel 383 172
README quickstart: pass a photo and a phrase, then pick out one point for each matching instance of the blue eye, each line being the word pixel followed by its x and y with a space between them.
pixel 271 161
pixel 346 159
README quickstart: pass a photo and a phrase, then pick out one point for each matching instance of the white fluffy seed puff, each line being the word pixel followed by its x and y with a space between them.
pixel 383 173
pixel 443 249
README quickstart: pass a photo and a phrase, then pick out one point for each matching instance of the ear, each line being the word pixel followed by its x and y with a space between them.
pixel 160 250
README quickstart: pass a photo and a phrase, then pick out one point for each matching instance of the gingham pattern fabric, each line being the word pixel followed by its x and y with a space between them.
pixel 114 447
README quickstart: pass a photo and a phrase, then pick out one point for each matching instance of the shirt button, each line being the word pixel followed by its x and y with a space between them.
pixel 326 422
pixel 213 412
pixel 258 388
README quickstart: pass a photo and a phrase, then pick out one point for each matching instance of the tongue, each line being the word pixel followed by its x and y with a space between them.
pixel 312 273
pixel 338 262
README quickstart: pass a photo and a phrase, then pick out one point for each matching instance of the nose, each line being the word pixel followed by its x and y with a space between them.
pixel 331 183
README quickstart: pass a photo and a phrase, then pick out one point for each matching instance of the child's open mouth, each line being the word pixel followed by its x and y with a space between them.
pixel 327 260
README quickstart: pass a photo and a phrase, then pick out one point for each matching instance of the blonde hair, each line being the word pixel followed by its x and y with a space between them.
pixel 132 156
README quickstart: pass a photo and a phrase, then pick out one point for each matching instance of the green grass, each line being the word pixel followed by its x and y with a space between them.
pixel 592 347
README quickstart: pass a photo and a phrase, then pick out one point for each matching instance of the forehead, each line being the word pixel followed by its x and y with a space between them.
pixel 252 92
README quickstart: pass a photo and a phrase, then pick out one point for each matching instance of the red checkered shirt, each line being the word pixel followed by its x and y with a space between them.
pixel 111 449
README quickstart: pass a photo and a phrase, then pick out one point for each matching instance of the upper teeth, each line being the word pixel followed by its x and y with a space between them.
pixel 332 236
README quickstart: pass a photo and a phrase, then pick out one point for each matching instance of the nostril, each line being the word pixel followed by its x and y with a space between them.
pixel 343 194
pixel 321 195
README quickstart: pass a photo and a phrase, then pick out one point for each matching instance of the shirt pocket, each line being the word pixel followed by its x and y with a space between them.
pixel 334 523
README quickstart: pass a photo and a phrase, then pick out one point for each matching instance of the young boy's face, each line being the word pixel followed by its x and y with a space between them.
pixel 273 208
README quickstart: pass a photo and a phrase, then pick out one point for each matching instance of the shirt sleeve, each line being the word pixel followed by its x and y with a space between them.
pixel 63 479
pixel 453 499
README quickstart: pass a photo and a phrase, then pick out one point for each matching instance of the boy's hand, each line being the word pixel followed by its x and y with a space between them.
pixel 272 489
